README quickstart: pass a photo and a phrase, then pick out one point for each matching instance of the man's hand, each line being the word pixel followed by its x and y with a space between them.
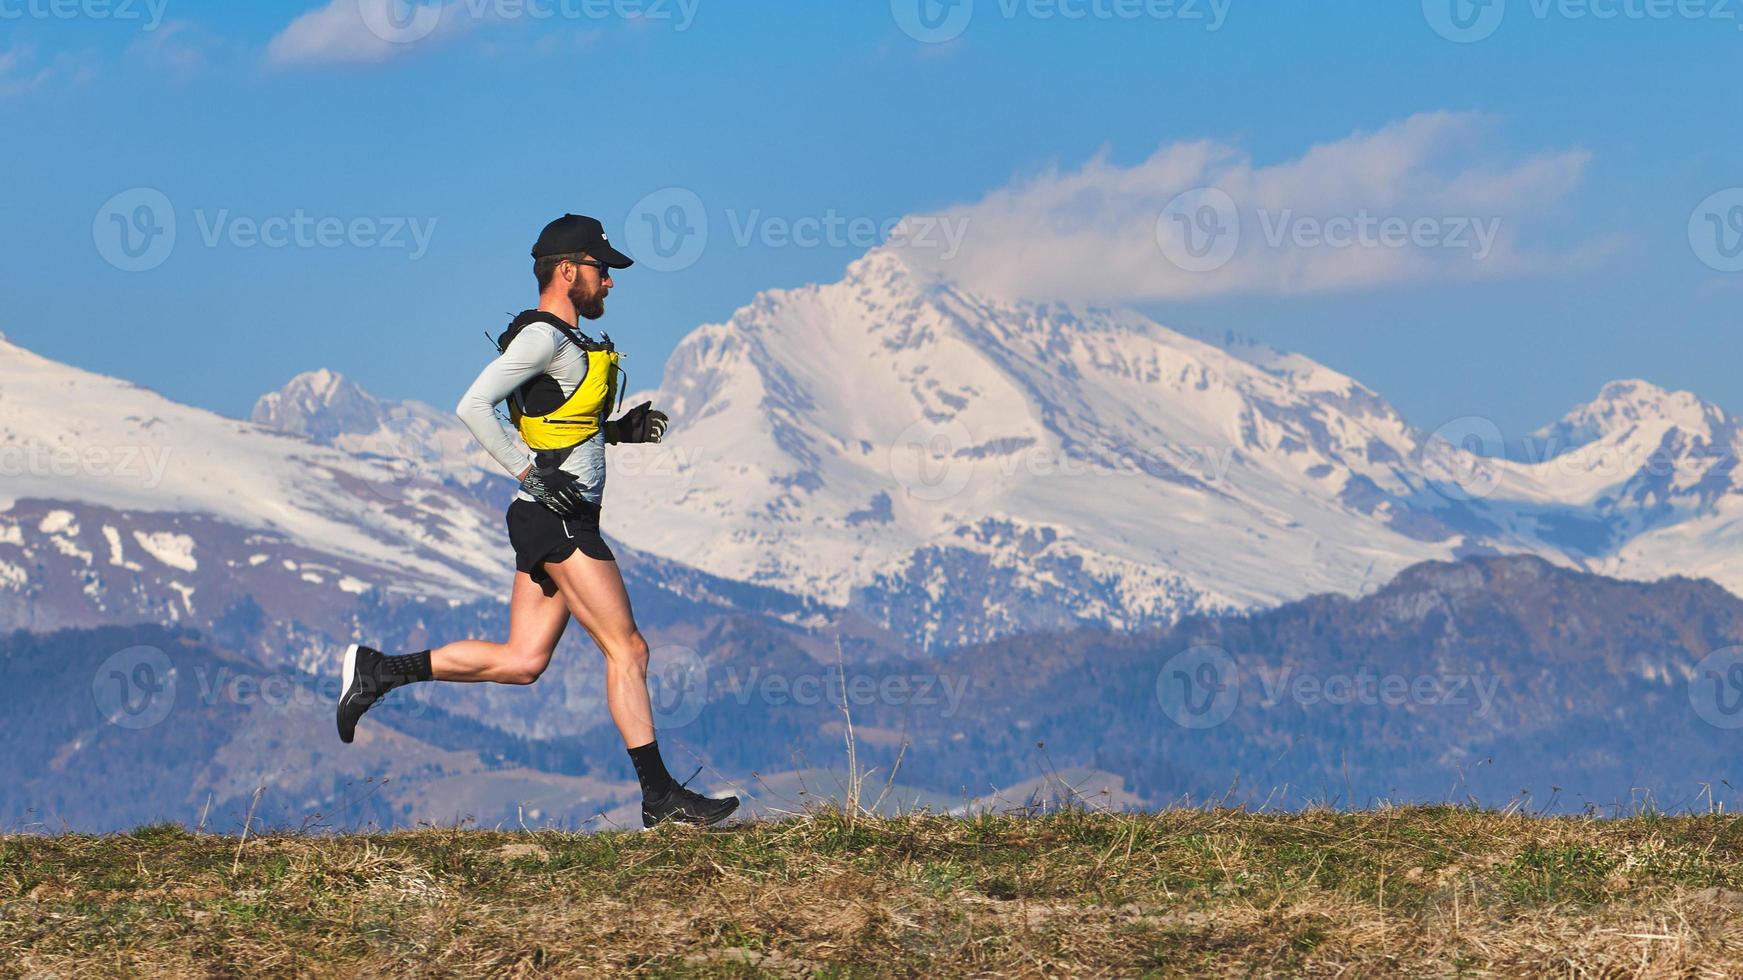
pixel 559 491
pixel 639 424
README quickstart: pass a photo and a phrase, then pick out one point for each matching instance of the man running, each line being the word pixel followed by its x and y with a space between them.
pixel 560 385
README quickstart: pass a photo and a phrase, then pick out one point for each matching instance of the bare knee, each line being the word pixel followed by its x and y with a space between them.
pixel 630 651
pixel 524 667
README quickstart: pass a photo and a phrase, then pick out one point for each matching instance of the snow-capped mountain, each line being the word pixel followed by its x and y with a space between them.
pixel 1640 482
pixel 958 468
pixel 409 437
pixel 961 468
pixel 951 467
pixel 119 505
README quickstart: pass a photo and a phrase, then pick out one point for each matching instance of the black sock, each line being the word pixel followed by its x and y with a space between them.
pixel 413 668
pixel 651 770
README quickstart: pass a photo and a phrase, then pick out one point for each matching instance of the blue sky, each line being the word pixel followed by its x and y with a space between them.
pixel 1591 139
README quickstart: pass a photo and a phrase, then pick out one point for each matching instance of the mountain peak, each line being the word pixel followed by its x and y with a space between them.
pixel 1627 405
pixel 321 405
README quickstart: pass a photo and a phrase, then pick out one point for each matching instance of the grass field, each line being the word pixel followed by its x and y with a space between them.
pixel 1437 890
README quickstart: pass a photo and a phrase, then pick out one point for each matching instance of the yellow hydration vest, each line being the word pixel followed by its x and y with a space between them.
pixel 580 416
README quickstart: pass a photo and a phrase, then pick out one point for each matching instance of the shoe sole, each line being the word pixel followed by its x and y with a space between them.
pixel 348 682
pixel 711 823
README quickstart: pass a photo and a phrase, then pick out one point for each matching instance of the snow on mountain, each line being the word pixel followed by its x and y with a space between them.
pixel 951 467
pixel 961 468
pixel 1626 410
pixel 410 437
pixel 105 473
pixel 966 468
pixel 1644 482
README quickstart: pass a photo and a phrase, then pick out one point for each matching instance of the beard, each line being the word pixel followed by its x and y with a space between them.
pixel 589 302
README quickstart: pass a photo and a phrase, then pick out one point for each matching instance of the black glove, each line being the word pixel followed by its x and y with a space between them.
pixel 639 424
pixel 558 490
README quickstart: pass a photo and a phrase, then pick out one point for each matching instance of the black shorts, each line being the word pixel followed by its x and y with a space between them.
pixel 540 536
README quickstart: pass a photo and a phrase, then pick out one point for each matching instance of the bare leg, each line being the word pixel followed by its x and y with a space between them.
pixel 536 623
pixel 597 599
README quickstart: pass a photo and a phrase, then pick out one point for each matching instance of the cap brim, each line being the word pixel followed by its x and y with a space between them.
pixel 611 256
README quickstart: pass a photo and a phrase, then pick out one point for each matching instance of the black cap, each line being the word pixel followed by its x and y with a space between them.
pixel 579 233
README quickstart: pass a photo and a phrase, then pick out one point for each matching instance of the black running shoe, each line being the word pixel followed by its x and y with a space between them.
pixel 683 805
pixel 359 688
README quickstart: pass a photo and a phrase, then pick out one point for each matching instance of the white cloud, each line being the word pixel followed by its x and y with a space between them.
pixel 178 49
pixel 22 72
pixel 1423 199
pixel 364 31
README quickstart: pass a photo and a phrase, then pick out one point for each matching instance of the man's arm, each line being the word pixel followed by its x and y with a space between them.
pixel 527 358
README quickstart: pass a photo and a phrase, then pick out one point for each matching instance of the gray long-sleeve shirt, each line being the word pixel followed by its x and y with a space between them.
pixel 538 349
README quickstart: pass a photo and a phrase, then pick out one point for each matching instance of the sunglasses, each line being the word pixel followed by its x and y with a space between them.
pixel 604 270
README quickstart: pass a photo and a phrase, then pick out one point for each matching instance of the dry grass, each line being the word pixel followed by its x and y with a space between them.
pixel 1435 891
